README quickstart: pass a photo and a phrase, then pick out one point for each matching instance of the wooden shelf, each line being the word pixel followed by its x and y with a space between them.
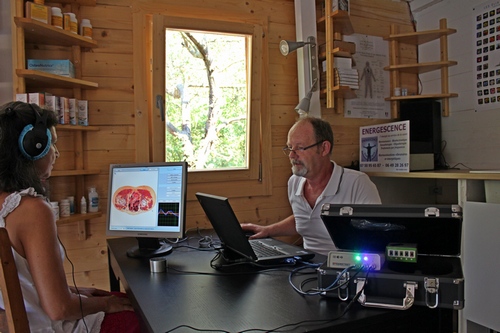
pixel 76 128
pixel 36 32
pixel 83 172
pixel 410 97
pixel 439 174
pixel 78 217
pixel 42 79
pixel 342 22
pixel 419 38
pixel 397 69
pixel 421 68
pixel 344 92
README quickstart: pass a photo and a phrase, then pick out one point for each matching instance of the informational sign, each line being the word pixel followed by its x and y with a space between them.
pixel 487 55
pixel 385 147
pixel 372 55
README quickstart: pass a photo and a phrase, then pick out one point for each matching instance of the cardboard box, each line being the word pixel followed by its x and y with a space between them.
pixel 37 98
pixel 38 12
pixel 73 107
pixel 57 67
pixel 22 98
pixel 83 112
pixel 63 110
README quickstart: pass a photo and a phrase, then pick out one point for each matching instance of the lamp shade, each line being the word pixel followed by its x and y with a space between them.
pixel 289 46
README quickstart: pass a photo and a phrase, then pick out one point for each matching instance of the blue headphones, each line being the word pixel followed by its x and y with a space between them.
pixel 35 140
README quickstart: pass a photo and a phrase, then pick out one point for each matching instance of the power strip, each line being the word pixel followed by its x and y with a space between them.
pixel 345 259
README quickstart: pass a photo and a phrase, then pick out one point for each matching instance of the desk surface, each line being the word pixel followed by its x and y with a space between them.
pixel 192 293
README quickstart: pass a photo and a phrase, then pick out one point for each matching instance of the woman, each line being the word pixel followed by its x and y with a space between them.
pixel 27 154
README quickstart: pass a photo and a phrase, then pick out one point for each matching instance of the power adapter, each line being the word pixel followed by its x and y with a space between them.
pixel 345 259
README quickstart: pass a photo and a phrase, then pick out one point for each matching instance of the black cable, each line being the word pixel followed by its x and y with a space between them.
pixel 74 283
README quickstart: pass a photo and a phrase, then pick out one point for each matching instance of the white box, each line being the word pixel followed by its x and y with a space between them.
pixel 73 107
pixel 37 98
pixel 83 112
pixel 340 5
pixel 22 98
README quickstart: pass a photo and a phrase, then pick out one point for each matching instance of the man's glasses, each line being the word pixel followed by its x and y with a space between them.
pixel 287 150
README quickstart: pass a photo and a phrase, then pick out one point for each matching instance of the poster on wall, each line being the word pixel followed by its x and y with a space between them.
pixel 372 55
pixel 487 55
pixel 385 147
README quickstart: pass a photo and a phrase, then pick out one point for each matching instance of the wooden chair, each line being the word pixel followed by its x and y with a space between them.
pixel 15 312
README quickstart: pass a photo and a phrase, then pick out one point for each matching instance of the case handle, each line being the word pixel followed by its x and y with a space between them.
pixel 408 300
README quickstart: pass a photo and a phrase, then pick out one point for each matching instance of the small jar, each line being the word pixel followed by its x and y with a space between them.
pixel 55 209
pixel 57 17
pixel 73 23
pixel 86 28
pixel 64 209
pixel 67 21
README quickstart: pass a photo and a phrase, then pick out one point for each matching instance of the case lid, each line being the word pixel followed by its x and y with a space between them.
pixel 435 229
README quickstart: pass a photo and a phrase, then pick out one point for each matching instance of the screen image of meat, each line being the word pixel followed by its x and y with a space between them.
pixel 134 200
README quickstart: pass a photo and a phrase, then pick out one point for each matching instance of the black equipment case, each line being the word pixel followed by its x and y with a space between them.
pixel 419 247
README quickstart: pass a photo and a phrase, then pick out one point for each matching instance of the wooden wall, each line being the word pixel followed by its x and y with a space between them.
pixel 111 108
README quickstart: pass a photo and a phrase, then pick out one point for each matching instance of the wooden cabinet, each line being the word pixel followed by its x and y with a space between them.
pixel 332 25
pixel 397 68
pixel 36 39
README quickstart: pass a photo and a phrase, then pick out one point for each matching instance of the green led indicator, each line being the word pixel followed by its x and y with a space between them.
pixel 357 257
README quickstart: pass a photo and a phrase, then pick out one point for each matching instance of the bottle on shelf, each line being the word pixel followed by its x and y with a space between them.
pixel 57 17
pixel 86 28
pixel 93 200
pixel 83 206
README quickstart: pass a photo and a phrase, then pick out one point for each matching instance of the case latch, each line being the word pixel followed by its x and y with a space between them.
pixel 346 210
pixel 431 286
pixel 432 211
pixel 343 283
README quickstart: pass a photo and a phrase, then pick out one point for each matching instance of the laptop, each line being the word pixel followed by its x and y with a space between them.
pixel 236 244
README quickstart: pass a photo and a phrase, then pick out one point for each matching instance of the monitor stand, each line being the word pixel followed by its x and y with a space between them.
pixel 149 248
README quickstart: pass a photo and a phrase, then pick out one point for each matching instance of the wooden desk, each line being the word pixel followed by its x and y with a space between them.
pixel 203 298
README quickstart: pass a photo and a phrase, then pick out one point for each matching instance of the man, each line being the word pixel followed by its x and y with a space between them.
pixel 316 180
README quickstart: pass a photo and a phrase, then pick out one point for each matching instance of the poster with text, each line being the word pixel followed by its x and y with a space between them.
pixel 372 55
pixel 487 55
pixel 385 147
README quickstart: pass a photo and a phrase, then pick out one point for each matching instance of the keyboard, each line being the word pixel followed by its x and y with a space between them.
pixel 262 251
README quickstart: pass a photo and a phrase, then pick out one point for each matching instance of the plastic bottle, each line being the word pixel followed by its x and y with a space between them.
pixel 71 200
pixel 83 206
pixel 86 28
pixel 64 210
pixel 93 200
pixel 55 208
pixel 57 17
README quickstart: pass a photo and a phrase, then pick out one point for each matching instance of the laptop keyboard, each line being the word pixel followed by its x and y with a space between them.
pixel 262 250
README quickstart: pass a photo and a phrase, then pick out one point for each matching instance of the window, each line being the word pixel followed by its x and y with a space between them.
pixel 253 177
pixel 207 99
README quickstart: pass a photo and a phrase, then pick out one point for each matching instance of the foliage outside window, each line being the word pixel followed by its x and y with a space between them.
pixel 206 99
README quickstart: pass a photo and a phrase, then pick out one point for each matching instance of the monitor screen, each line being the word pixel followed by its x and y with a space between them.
pixel 147 201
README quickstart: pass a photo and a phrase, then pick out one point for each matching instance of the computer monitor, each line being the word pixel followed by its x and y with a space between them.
pixel 147 201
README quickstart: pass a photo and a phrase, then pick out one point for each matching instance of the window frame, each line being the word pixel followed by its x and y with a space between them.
pixel 149 35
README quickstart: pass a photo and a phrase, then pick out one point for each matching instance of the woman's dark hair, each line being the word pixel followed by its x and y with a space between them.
pixel 16 171
pixel 322 129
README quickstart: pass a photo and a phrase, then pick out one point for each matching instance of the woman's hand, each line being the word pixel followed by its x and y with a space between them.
pixel 117 304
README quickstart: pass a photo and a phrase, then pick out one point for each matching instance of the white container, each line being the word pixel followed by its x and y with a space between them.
pixel 64 209
pixel 57 17
pixel 83 206
pixel 86 28
pixel 55 208
pixel 93 200
pixel 83 112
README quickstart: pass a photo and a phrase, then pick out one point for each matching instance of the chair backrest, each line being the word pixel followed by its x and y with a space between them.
pixel 17 320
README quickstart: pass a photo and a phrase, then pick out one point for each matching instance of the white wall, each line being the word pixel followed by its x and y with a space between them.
pixel 472 137
pixel 5 53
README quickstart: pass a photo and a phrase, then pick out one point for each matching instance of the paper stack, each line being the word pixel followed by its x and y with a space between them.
pixel 345 75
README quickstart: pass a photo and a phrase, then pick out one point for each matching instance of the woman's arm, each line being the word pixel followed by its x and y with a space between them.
pixel 36 239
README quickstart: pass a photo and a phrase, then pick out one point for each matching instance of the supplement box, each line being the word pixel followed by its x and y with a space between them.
pixel 57 67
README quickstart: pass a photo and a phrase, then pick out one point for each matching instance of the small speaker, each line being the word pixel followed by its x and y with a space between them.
pixel 425 132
